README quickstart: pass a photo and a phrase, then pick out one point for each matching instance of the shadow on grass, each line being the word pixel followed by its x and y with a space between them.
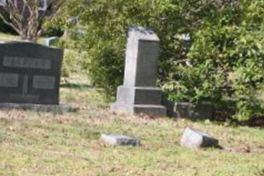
pixel 253 122
pixel 222 113
pixel 76 86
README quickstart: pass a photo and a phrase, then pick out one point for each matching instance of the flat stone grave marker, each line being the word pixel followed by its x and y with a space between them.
pixel 114 139
pixel 195 139
pixel 29 73
pixel 139 93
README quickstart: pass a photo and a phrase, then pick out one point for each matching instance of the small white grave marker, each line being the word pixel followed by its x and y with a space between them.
pixel 195 139
pixel 114 139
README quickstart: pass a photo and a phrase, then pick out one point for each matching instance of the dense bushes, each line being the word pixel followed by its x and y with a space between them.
pixel 223 63
pixel 226 60
pixel 106 23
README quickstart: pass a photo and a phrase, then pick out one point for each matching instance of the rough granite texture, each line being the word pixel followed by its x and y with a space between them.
pixel 139 93
pixel 195 139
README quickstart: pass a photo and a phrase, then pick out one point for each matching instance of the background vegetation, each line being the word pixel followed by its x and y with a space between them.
pixel 222 63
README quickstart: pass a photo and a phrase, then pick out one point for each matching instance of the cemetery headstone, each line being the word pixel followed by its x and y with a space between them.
pixel 139 93
pixel 29 73
pixel 51 41
pixel 195 139
pixel 119 140
pixel 202 110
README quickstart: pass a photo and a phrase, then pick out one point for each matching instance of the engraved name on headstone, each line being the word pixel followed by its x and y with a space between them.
pixel 29 73
pixel 23 62
pixel 44 82
pixel 8 80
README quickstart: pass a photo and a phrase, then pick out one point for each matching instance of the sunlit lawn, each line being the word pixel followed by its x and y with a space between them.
pixel 9 37
pixel 34 143
pixel 68 144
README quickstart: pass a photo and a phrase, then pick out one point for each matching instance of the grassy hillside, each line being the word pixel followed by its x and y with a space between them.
pixel 8 37
pixel 34 143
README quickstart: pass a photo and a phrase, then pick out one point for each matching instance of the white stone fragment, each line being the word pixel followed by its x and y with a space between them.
pixel 195 139
pixel 114 139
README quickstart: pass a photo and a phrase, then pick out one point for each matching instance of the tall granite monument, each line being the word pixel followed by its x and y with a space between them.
pixel 29 73
pixel 139 93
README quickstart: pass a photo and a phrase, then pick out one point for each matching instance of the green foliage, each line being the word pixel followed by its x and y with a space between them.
pixel 223 63
pixel 106 23
pixel 71 62
pixel 227 57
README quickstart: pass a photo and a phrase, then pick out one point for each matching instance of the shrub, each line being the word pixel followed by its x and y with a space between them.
pixel 223 63
pixel 71 62
pixel 106 23
pixel 227 59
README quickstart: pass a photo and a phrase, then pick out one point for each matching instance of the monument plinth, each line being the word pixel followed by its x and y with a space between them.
pixel 139 93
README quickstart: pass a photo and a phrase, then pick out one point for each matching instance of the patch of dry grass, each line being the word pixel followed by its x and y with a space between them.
pixel 8 37
pixel 33 143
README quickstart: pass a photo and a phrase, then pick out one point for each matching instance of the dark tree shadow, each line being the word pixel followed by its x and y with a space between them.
pixel 76 86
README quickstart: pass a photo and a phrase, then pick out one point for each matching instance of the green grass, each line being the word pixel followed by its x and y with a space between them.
pixel 9 37
pixel 33 143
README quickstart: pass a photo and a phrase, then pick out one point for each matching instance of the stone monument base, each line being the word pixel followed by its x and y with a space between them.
pixel 39 107
pixel 155 110
pixel 202 110
pixel 138 100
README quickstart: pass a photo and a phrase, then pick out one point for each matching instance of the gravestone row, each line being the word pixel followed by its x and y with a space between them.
pixel 30 73
pixel 191 138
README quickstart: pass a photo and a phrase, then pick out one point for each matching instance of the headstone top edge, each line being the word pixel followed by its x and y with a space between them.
pixel 27 43
pixel 188 129
pixel 143 34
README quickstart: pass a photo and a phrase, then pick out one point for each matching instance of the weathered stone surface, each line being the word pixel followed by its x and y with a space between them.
pixel 155 110
pixel 139 93
pixel 142 55
pixel 195 139
pixel 119 140
pixel 8 80
pixel 29 73
pixel 202 110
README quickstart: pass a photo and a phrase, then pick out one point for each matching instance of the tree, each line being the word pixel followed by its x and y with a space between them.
pixel 26 16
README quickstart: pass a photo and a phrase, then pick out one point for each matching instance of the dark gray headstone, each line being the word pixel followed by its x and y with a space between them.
pixel 195 139
pixel 139 93
pixel 202 110
pixel 29 73
pixel 114 139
